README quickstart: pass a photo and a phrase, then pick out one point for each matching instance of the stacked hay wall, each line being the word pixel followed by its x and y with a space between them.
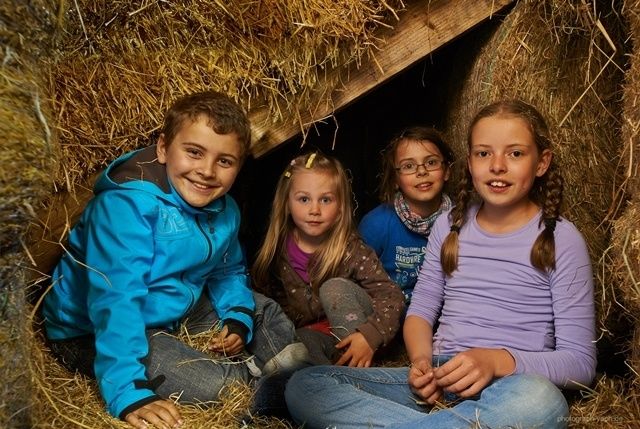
pixel 26 156
pixel 567 58
pixel 625 242
pixel 626 236
pixel 122 64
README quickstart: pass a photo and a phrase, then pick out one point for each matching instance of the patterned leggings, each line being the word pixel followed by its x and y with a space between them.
pixel 347 306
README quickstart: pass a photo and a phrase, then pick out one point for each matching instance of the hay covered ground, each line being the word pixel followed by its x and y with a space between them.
pixel 83 81
pixel 72 401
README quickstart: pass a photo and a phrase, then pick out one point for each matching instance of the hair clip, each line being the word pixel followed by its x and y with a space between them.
pixel 292 164
pixel 309 163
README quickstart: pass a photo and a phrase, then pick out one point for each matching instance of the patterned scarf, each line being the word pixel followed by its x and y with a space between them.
pixel 417 224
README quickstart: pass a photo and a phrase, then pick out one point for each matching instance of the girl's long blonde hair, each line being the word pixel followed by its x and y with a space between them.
pixel 326 260
pixel 546 190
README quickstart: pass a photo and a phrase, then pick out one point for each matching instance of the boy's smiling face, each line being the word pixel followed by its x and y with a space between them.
pixel 201 164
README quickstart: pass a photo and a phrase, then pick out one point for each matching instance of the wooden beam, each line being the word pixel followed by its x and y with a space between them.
pixel 47 234
pixel 424 26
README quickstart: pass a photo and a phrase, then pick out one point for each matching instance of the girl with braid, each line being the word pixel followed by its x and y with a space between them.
pixel 509 282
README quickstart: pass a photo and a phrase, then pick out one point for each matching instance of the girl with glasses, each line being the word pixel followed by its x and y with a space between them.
pixel 415 168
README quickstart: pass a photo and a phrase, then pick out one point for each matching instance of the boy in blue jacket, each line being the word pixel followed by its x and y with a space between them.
pixel 157 247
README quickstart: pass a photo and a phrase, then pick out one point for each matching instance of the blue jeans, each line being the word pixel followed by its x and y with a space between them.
pixel 342 397
pixel 197 377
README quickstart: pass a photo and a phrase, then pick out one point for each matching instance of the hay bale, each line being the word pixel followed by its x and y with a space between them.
pixel 625 263
pixel 562 58
pixel 625 243
pixel 26 156
pixel 122 64
pixel 631 123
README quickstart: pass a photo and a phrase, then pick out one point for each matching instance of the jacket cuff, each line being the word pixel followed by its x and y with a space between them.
pixel 238 328
pixel 371 334
pixel 138 404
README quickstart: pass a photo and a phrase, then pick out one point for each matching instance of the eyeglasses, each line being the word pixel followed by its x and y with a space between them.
pixel 410 167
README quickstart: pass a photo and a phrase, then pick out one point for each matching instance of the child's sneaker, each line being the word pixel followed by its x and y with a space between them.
pixel 292 357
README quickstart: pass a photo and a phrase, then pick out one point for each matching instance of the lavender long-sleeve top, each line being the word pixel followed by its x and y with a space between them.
pixel 497 299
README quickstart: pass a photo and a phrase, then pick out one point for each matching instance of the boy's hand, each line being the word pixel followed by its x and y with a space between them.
pixel 468 372
pixel 358 353
pixel 161 413
pixel 228 344
pixel 422 381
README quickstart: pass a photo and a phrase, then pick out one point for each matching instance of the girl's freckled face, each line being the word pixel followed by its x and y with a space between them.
pixel 504 161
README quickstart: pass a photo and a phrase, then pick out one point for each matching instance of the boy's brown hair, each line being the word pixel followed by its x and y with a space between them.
pixel 223 115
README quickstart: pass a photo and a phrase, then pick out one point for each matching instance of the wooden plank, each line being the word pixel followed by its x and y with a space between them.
pixel 47 234
pixel 424 26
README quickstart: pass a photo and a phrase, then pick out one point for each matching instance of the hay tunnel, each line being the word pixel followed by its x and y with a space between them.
pixel 84 81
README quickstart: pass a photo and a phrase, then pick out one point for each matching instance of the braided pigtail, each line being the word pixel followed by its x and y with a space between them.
pixel 543 252
pixel 449 251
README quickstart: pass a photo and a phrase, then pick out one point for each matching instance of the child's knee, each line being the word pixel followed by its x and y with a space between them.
pixel 336 289
pixel 266 307
pixel 337 285
pixel 308 380
pixel 544 392
pixel 536 399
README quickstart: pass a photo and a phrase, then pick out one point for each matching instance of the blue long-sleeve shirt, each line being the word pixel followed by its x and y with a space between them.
pixel 497 299
pixel 401 251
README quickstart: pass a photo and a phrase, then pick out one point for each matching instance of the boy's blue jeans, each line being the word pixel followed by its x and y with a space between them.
pixel 194 376
pixel 342 397
pixel 197 377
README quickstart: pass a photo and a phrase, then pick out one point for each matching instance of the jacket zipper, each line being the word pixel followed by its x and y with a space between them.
pixel 206 237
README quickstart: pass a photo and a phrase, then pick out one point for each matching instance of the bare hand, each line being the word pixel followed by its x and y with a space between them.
pixel 358 351
pixel 422 382
pixel 226 343
pixel 468 372
pixel 161 413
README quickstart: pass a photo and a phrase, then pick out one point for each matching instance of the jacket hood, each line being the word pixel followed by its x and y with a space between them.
pixel 140 170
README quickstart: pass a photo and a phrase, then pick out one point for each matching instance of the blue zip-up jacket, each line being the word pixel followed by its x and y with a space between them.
pixel 139 258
